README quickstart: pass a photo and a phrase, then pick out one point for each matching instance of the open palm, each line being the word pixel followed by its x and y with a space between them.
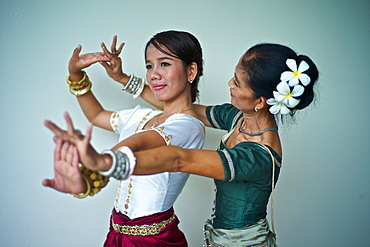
pixel 67 177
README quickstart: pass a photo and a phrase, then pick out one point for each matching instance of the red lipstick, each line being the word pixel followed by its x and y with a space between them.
pixel 158 86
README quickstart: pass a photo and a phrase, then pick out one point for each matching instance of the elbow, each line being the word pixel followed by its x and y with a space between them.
pixel 97 119
pixel 172 158
pixel 94 119
pixel 181 162
pixel 179 165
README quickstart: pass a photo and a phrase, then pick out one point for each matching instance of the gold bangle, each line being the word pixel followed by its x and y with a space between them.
pixel 81 87
pixel 82 91
pixel 88 191
pixel 79 82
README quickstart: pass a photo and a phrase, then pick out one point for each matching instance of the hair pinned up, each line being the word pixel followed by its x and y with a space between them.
pixel 265 63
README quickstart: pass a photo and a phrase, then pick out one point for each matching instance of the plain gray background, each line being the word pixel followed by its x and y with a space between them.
pixel 322 197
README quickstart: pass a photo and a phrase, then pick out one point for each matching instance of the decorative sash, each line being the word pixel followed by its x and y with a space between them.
pixel 164 225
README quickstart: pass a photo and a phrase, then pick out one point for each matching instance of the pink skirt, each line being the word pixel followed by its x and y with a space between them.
pixel 170 235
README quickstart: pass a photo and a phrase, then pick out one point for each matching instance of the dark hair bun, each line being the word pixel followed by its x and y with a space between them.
pixel 307 97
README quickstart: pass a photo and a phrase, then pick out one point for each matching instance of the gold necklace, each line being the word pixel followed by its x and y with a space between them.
pixel 156 122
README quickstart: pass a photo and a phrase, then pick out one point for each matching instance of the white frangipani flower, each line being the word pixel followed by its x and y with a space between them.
pixel 296 75
pixel 284 95
pixel 277 107
pixel 284 98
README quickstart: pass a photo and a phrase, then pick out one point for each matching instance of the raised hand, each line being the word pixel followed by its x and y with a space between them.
pixel 67 177
pixel 87 154
pixel 79 62
pixel 114 65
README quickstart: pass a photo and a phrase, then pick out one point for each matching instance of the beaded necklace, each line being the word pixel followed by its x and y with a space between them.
pixel 257 133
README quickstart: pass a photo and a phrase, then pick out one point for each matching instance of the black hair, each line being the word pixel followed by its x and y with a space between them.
pixel 184 46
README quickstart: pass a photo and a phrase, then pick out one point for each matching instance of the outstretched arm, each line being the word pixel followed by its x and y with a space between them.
pixel 89 156
pixel 175 159
pixel 153 158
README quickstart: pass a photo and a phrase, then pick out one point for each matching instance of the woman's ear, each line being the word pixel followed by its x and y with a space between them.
pixel 261 103
pixel 192 71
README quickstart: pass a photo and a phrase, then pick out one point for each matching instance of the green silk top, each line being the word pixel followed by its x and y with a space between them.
pixel 242 197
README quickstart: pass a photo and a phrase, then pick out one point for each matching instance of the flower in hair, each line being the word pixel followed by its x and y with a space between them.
pixel 284 98
pixel 277 107
pixel 296 75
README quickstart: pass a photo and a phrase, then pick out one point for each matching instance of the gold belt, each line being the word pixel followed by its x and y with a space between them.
pixel 142 230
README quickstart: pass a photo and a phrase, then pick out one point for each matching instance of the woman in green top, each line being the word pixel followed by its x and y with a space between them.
pixel 270 81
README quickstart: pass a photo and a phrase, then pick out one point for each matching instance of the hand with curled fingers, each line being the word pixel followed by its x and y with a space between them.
pixel 114 65
pixel 78 62
pixel 67 176
pixel 88 156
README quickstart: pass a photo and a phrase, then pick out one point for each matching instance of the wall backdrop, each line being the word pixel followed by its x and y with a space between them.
pixel 322 197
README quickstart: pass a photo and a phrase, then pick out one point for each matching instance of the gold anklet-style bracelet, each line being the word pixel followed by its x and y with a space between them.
pixel 98 182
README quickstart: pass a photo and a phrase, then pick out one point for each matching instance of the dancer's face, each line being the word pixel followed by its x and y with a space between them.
pixel 167 76
pixel 242 96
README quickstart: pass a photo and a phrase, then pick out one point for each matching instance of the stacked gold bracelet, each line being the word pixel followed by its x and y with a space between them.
pixel 98 182
pixel 81 87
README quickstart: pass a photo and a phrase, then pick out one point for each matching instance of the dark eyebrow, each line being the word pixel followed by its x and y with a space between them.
pixel 161 58
pixel 236 78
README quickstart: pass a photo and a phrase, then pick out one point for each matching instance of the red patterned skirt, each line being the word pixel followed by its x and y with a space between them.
pixel 160 229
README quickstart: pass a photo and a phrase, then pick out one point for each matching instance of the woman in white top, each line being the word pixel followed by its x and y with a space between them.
pixel 143 213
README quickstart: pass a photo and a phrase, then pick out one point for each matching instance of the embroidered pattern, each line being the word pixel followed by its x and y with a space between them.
pixel 126 188
pixel 128 196
pixel 114 118
pixel 129 186
pixel 160 130
pixel 145 118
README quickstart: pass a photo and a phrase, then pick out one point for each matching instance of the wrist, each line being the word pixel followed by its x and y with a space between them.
pixel 105 162
pixel 93 181
pixel 123 163
pixel 123 79
pixel 76 76
pixel 80 87
pixel 87 188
